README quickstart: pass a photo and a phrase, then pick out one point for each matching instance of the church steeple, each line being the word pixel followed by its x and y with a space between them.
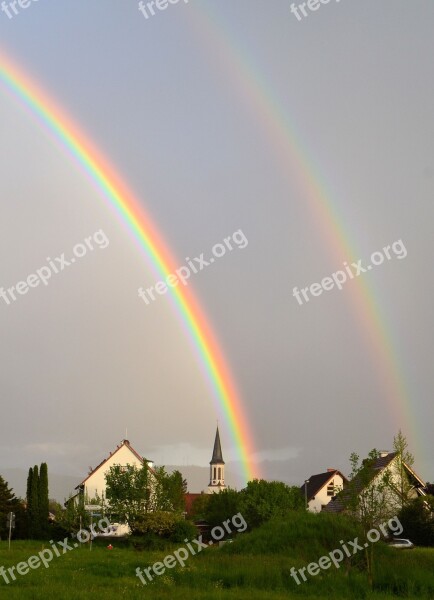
pixel 217 456
pixel 217 467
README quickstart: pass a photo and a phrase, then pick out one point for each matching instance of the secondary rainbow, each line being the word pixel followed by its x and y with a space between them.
pixel 298 167
pixel 115 191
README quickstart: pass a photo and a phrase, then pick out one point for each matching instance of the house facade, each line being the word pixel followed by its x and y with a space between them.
pixel 94 485
pixel 387 464
pixel 321 488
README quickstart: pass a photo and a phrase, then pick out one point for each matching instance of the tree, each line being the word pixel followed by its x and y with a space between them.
pixel 8 503
pixel 429 488
pixel 29 501
pixel 75 517
pixel 368 498
pixel 175 488
pixel 136 493
pixel 261 500
pixel 401 484
pixel 169 490
pixel 55 508
pixel 43 499
pixel 417 519
pixel 220 506
pixel 199 507
pixel 33 512
pixel 128 491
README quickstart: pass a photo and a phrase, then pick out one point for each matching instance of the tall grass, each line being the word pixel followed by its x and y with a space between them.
pixel 256 566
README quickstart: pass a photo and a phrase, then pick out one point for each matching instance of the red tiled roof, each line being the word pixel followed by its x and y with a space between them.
pixel 189 499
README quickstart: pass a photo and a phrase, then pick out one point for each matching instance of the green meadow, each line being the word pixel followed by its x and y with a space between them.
pixel 255 566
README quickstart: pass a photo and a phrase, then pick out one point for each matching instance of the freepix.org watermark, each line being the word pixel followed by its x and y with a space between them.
pixel 148 8
pixel 338 278
pixel 193 266
pixel 335 557
pixel 182 554
pixel 300 11
pixel 10 8
pixel 55 266
pixel 45 556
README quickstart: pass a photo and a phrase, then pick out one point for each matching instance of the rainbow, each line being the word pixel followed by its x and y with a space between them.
pixel 128 209
pixel 298 167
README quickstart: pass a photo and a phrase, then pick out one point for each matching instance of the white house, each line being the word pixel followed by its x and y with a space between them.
pixel 386 463
pixel 94 484
pixel 319 489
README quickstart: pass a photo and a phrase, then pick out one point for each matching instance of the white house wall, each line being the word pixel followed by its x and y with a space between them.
pixel 96 483
pixel 321 498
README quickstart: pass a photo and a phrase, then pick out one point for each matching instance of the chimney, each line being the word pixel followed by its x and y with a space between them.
pixel 384 453
pixel 331 470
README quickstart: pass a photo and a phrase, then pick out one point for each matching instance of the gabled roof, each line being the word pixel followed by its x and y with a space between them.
pixel 123 443
pixel 384 460
pixel 415 476
pixel 317 482
pixel 217 456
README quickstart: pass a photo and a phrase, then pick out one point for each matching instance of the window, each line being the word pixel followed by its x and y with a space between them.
pixel 220 473
pixel 331 488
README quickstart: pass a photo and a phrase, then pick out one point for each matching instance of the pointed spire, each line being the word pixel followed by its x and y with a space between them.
pixel 217 456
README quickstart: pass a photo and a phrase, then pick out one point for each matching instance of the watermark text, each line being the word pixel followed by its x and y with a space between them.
pixel 338 278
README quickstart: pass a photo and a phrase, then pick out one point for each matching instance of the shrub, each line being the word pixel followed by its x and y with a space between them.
pixel 417 521
pixel 158 523
pixel 183 530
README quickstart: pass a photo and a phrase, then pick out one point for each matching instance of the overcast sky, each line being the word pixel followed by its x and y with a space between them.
pixel 165 98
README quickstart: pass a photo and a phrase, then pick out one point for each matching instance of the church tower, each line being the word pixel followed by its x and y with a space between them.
pixel 217 467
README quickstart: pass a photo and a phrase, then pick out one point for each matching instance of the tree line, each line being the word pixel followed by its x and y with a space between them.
pixel 152 502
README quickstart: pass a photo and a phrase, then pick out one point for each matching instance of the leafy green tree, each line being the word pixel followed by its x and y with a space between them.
pixel 367 495
pixel 401 484
pixel 129 492
pixel 182 530
pixel 261 500
pixel 133 493
pixel 74 517
pixel 55 508
pixel 221 506
pixel 174 488
pixel 200 506
pixel 429 488
pixel 21 529
pixel 417 519
pixel 369 498
pixel 43 499
pixel 161 523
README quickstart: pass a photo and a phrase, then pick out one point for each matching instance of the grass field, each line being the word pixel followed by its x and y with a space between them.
pixel 256 566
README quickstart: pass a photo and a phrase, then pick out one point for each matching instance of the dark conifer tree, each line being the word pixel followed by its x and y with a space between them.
pixel 29 501
pixel 8 503
pixel 34 516
pixel 43 499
